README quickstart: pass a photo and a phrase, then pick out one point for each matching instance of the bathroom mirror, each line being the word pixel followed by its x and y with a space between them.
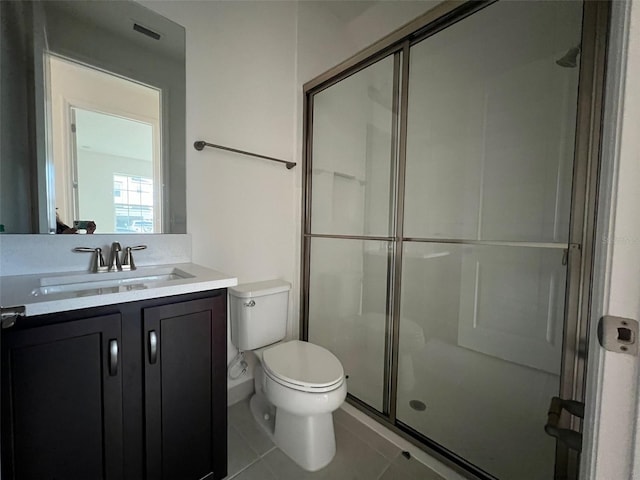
pixel 93 117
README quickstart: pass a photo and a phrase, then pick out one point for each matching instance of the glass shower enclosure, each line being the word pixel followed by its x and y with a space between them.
pixel 443 230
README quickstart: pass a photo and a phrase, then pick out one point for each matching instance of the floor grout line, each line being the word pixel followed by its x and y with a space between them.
pixel 243 469
pixel 258 456
pixel 246 441
pixel 269 451
pixel 384 471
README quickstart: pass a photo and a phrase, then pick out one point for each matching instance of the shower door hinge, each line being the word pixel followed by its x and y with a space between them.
pixel 618 334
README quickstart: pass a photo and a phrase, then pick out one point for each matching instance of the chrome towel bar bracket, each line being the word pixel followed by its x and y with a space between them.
pixel 200 144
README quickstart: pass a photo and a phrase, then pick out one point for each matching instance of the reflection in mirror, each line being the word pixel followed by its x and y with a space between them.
pixel 93 117
pixel 113 183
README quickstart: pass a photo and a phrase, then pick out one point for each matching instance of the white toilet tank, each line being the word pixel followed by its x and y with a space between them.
pixel 258 313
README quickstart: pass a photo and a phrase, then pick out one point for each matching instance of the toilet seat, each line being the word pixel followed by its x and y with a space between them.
pixel 303 366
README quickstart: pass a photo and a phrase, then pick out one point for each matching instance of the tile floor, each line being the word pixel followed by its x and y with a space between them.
pixel 361 454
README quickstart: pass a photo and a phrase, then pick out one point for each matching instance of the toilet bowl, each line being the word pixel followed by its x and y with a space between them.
pixel 294 405
pixel 298 385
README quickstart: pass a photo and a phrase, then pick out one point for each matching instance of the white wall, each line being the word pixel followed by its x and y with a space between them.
pixel 246 64
pixel 241 211
pixel 95 191
pixel 331 32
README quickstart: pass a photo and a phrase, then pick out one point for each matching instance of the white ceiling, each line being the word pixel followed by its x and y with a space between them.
pixel 348 10
pixel 118 17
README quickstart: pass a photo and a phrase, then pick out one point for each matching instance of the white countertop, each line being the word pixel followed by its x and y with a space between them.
pixel 19 290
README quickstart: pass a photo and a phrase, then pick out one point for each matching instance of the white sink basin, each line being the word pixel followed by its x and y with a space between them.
pixel 110 282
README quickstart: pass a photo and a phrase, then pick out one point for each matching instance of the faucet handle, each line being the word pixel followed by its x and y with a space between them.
pixel 127 257
pixel 97 263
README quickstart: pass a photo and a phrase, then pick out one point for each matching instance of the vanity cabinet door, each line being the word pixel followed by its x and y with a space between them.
pixel 185 389
pixel 62 401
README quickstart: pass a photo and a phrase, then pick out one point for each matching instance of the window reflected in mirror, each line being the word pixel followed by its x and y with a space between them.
pixel 133 202
pixel 105 149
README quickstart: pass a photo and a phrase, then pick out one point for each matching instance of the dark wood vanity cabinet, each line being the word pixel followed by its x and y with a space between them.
pixel 184 372
pixel 128 391
pixel 63 401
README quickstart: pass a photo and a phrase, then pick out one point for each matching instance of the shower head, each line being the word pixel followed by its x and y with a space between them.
pixel 570 59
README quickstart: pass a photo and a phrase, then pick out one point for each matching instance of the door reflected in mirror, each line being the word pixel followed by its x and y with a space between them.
pixel 106 148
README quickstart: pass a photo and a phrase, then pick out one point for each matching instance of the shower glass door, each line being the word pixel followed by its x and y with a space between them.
pixel 348 245
pixel 490 148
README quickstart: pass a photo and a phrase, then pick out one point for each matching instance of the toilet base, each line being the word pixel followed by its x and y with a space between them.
pixel 309 441
pixel 263 413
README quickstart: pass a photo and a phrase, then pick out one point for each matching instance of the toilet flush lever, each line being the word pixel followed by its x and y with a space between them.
pixel 250 303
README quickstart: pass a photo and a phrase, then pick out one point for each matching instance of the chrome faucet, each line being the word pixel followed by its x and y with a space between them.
pixel 114 257
pixel 115 263
pixel 127 257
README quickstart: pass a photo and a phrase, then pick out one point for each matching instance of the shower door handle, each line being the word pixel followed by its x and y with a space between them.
pixel 570 438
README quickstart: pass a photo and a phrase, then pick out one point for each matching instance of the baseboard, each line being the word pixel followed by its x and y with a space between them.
pixel 240 391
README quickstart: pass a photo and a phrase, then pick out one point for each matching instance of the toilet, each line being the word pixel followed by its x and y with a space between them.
pixel 298 385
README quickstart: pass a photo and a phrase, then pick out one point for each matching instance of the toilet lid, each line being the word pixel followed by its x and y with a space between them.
pixel 303 364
